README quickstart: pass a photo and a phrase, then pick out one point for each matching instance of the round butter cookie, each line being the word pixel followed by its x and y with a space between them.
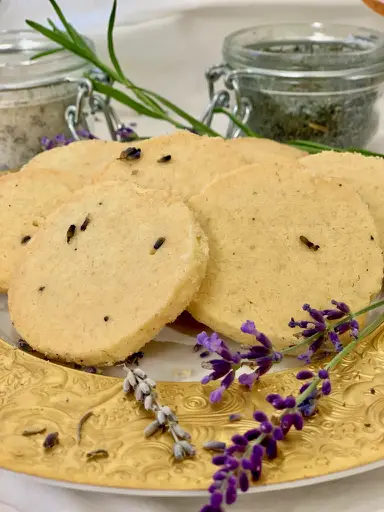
pixel 278 239
pixel 79 161
pixel 25 201
pixel 364 173
pixel 106 272
pixel 182 162
pixel 253 148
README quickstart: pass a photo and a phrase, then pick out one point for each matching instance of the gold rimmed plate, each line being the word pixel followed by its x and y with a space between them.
pixel 344 437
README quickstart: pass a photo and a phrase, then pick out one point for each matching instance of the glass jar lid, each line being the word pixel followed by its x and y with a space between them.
pixel 19 71
pixel 306 50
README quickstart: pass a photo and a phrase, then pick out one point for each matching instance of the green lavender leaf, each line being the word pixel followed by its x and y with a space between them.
pixel 111 46
pixel 244 128
pixel 54 28
pixel 56 36
pixel 61 39
pixel 116 64
pixel 125 99
pixel 195 123
pixel 314 147
pixel 72 32
pixel 46 53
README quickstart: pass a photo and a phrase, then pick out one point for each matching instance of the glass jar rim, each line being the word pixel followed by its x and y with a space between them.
pixel 366 61
pixel 19 71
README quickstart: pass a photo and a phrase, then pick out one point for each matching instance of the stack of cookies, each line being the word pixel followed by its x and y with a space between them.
pixel 103 244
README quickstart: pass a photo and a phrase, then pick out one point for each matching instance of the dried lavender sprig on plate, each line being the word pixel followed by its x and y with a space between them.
pixel 143 388
pixel 242 461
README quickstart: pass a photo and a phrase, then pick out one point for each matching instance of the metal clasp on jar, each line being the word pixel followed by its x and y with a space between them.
pixel 87 102
pixel 221 99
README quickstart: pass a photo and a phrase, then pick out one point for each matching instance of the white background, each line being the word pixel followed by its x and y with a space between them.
pixel 169 54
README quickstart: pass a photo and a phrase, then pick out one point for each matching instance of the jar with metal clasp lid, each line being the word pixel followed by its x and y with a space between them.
pixel 297 81
pixel 44 97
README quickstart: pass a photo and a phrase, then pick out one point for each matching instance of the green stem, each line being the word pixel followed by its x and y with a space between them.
pixel 116 64
pixel 244 128
pixel 340 356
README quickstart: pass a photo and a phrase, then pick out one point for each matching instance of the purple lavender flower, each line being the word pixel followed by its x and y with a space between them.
pixel 61 140
pixel 262 355
pixel 320 329
pixel 125 134
pixel 224 368
pixel 249 327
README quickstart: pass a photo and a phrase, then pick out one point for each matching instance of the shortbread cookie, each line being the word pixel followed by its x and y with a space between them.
pixel 365 174
pixel 253 148
pixel 278 239
pixel 182 162
pixel 79 161
pixel 25 201
pixel 106 273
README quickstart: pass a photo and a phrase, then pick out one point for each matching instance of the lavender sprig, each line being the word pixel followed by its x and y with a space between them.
pixel 321 329
pixel 143 388
pixel 321 332
pixel 242 461
pixel 260 358
pixel 61 140
pixel 123 134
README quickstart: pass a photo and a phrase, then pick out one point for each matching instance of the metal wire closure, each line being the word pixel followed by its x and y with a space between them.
pixel 89 103
pixel 222 98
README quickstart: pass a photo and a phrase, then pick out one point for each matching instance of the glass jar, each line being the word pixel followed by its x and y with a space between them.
pixel 34 94
pixel 317 82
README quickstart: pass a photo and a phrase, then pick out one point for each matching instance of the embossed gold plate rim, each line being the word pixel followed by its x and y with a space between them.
pixel 346 433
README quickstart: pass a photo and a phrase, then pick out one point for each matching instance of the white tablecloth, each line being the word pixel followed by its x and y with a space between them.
pixel 363 493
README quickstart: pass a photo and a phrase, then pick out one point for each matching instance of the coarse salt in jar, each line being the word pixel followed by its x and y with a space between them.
pixel 317 82
pixel 34 94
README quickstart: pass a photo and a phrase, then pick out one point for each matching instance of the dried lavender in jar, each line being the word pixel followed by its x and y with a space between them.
pixel 318 82
pixel 34 94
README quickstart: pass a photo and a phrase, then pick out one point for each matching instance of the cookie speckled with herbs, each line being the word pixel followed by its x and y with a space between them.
pixel 25 202
pixel 364 173
pixel 109 288
pixel 184 163
pixel 79 161
pixel 256 219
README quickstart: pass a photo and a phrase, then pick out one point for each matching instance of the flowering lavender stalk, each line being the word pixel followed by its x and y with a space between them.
pixel 320 333
pixel 61 140
pixel 321 329
pixel 242 461
pixel 123 134
pixel 259 357
pixel 143 388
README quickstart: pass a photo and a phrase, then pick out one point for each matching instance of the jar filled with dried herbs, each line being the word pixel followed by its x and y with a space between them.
pixel 317 82
pixel 34 94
